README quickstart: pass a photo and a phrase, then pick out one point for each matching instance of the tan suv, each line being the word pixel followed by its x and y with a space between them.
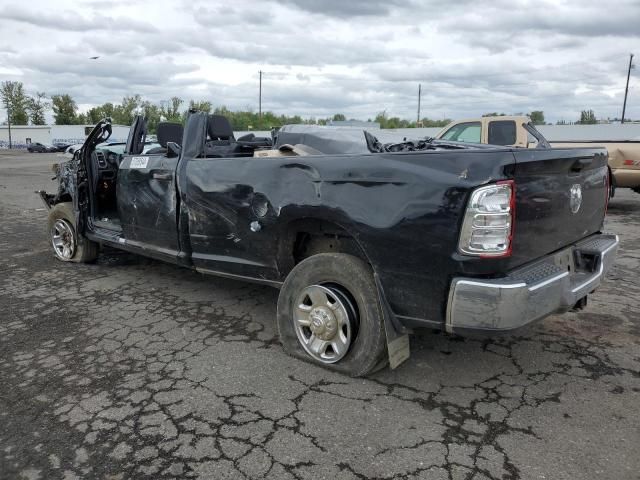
pixel 624 157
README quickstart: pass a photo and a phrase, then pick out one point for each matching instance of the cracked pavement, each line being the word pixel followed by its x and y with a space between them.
pixel 130 368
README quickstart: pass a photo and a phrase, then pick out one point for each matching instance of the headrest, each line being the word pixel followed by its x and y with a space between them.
pixel 249 137
pixel 219 128
pixel 169 132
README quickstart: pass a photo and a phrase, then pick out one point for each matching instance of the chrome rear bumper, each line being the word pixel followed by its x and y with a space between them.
pixel 552 284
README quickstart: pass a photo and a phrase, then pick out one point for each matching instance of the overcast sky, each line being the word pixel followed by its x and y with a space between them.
pixel 357 57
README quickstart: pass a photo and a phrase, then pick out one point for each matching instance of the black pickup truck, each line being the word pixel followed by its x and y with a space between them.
pixel 366 241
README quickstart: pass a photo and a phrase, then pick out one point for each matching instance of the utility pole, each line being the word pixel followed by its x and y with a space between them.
pixel 260 102
pixel 626 90
pixel 419 95
pixel 9 123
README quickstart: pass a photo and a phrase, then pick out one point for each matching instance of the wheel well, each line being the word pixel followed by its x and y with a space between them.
pixel 308 237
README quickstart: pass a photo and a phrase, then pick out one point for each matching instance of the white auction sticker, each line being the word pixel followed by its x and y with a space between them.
pixel 139 162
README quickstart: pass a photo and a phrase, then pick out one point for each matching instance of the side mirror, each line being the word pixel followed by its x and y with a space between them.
pixel 173 149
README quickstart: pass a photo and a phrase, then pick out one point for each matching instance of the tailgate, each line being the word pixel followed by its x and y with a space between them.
pixel 561 196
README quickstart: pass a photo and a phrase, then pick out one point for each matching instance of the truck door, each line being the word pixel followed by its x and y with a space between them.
pixel 147 193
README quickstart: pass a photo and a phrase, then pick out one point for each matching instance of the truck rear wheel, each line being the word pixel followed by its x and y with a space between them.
pixel 329 314
pixel 67 245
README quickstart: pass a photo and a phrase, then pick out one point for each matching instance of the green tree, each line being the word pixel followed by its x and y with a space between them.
pixel 123 114
pixel 587 117
pixel 493 114
pixel 249 120
pixel 392 122
pixel 200 105
pixel 83 119
pixel 151 113
pixel 429 123
pixel 36 107
pixel 537 117
pixel 397 122
pixel 15 102
pixel 64 109
pixel 339 117
pixel 95 114
pixel 170 110
pixel 381 118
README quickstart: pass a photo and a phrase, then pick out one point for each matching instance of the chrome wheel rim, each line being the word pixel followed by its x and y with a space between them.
pixel 63 239
pixel 324 321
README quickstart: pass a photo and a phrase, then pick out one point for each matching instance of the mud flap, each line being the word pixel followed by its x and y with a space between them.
pixel 397 335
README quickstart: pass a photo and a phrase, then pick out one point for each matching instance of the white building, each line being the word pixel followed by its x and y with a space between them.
pixel 22 135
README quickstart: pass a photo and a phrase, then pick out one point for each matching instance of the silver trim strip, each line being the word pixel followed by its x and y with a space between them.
pixel 227 259
pixel 612 246
pixel 548 281
pixel 272 283
pixel 491 285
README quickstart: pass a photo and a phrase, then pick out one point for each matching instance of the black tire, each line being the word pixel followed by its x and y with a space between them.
pixel 84 251
pixel 368 350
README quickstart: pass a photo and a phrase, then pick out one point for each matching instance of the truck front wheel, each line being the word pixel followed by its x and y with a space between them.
pixel 329 314
pixel 66 244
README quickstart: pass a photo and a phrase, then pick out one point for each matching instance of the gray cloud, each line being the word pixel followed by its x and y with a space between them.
pixel 584 19
pixel 347 9
pixel 228 15
pixel 357 58
pixel 72 21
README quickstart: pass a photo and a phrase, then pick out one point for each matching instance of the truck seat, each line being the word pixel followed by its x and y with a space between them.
pixel 219 130
pixel 221 142
pixel 167 132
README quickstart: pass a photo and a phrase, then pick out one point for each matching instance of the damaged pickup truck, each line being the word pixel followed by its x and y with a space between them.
pixel 366 241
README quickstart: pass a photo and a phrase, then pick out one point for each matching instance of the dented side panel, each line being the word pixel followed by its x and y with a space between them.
pixel 234 216
pixel 404 210
pixel 148 204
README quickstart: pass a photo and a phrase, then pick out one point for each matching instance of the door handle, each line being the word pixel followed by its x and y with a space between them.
pixel 162 176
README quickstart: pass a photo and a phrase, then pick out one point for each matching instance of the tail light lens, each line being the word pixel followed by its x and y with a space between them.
pixel 487 229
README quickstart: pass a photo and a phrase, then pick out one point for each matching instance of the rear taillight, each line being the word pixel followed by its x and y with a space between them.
pixel 487 229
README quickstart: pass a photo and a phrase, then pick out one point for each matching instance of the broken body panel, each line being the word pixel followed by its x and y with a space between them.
pixel 241 217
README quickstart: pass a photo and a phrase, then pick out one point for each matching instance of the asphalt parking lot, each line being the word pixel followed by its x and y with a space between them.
pixel 130 368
